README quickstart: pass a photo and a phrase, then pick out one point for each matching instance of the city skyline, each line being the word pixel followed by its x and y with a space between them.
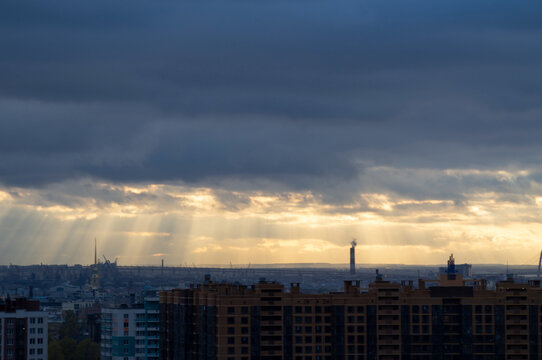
pixel 270 132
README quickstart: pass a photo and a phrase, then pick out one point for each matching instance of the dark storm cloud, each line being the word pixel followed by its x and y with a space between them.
pixel 302 93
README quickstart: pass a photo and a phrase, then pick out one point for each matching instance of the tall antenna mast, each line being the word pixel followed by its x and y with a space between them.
pixel 95 252
pixel 539 264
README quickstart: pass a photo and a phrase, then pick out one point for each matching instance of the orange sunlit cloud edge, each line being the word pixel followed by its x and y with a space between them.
pixel 493 219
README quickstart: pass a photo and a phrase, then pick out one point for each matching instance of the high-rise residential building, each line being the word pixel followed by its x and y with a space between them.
pixel 23 330
pixel 445 318
pixel 131 332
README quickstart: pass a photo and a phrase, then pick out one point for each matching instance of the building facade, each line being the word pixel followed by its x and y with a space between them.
pixel 447 318
pixel 23 330
pixel 131 332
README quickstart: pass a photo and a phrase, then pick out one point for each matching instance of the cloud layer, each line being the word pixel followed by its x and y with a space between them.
pixel 415 112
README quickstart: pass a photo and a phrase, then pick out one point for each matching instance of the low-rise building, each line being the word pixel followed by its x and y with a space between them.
pixel 131 332
pixel 23 330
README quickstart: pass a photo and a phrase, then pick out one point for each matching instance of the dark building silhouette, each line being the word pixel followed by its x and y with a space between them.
pixel 448 318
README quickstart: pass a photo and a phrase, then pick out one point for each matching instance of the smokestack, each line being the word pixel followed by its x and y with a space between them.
pixel 353 257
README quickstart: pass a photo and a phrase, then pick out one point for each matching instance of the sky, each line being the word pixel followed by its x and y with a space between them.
pixel 237 131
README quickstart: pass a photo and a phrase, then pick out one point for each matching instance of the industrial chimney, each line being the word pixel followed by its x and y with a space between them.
pixel 353 257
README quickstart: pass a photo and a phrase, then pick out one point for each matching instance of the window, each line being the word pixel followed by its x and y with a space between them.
pixel 318 329
pixel 40 330
pixel 231 340
pixel 231 331
pixel 308 309
pixel 32 351
pixel 40 351
pixel 40 340
pixel 40 320
pixel 489 329
pixel 32 341
pixel 244 310
pixel 244 330
pixel 32 320
pixel 244 320
pixel 231 320
pixel 126 316
pixel 231 310
pixel 360 338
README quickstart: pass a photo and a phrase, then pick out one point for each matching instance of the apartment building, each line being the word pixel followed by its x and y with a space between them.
pixel 445 318
pixel 23 330
pixel 131 332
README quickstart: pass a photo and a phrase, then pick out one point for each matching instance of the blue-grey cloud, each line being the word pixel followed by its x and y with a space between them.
pixel 306 94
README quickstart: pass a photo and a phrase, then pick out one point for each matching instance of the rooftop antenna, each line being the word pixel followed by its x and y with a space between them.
pixel 539 264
